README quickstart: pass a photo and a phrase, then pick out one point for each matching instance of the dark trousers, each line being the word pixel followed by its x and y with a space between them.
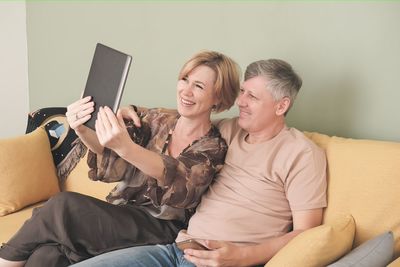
pixel 72 227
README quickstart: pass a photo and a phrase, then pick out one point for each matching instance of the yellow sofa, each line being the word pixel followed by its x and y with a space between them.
pixel 363 181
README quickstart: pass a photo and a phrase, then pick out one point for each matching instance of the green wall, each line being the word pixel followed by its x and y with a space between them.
pixel 348 54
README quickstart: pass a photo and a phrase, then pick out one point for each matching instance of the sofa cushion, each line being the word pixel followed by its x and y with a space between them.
pixel 364 181
pixel 377 252
pixel 27 171
pixel 318 246
pixel 10 224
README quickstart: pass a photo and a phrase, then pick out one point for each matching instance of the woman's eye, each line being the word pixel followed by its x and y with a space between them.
pixel 199 86
pixel 241 91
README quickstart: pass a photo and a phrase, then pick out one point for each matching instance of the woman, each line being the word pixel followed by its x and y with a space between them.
pixel 159 183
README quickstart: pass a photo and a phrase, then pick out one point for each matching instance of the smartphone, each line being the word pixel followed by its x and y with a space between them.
pixel 191 243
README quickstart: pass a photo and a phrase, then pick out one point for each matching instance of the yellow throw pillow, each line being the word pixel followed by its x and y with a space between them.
pixel 27 171
pixel 395 263
pixel 318 246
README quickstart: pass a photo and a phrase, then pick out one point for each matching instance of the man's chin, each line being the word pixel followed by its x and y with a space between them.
pixel 243 123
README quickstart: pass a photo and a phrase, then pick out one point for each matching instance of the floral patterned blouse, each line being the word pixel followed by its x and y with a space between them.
pixel 186 176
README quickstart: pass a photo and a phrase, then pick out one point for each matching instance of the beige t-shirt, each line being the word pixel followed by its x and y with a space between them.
pixel 253 196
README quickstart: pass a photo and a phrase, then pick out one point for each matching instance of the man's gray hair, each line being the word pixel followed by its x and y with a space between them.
pixel 282 79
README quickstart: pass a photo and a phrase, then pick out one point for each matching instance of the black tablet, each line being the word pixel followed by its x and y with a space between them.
pixel 106 79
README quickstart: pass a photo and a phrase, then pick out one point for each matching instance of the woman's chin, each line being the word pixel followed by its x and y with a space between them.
pixel 185 111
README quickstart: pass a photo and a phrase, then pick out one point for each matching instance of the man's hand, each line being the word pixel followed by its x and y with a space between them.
pixel 129 113
pixel 220 254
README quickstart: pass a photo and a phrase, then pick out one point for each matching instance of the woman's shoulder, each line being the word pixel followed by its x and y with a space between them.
pixel 159 115
pixel 168 112
pixel 211 141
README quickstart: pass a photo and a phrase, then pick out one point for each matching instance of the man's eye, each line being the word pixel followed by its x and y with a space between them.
pixel 252 97
pixel 241 91
pixel 185 79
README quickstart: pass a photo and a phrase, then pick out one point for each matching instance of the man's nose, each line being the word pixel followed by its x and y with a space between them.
pixel 240 101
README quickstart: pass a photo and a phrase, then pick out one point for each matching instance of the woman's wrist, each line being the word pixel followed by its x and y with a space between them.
pixel 126 150
pixel 80 130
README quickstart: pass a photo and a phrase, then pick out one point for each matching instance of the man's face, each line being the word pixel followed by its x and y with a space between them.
pixel 258 109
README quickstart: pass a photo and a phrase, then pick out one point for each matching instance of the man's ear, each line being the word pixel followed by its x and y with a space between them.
pixel 282 106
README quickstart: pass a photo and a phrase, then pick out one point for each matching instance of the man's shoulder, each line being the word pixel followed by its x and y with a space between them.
pixel 225 122
pixel 298 139
pixel 305 145
pixel 227 127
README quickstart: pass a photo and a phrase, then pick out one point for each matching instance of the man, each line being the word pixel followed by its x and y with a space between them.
pixel 271 188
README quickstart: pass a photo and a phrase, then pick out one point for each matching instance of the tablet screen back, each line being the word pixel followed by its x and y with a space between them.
pixel 106 79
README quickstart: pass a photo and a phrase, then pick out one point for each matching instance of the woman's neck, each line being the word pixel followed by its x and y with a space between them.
pixel 194 128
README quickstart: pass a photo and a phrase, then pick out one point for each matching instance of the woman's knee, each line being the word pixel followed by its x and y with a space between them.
pixel 47 255
pixel 62 202
pixel 65 199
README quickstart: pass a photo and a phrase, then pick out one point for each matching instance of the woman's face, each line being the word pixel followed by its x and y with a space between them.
pixel 195 93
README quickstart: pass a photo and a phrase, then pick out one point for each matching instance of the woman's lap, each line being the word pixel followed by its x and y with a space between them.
pixel 85 227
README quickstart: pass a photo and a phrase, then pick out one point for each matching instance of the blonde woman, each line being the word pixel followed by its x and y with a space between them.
pixel 161 182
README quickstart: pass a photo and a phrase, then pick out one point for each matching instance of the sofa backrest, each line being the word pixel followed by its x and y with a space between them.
pixel 364 181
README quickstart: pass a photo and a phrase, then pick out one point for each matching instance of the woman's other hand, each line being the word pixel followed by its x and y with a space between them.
pixel 79 112
pixel 129 113
pixel 111 130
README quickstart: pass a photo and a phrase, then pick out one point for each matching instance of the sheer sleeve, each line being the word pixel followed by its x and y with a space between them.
pixel 109 167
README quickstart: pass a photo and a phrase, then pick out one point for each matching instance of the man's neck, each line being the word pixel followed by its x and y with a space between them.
pixel 266 134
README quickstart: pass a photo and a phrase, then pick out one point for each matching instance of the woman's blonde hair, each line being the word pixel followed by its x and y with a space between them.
pixel 227 83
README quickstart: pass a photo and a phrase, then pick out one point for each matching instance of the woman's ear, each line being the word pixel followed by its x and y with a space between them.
pixel 215 104
pixel 282 106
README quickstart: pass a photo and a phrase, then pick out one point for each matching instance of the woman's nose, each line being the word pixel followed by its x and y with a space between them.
pixel 188 89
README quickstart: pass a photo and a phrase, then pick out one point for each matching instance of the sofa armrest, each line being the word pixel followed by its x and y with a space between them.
pixel 60 135
pixel 66 148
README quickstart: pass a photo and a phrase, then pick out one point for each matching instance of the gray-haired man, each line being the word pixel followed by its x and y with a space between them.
pixel 271 188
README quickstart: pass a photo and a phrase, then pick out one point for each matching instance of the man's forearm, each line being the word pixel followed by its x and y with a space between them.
pixel 262 253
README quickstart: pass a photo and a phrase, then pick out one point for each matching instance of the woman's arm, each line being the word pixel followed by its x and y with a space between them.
pixel 89 138
pixel 181 180
pixel 77 114
pixel 110 166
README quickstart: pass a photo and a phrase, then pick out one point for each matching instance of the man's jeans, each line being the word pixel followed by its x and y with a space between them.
pixel 146 256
